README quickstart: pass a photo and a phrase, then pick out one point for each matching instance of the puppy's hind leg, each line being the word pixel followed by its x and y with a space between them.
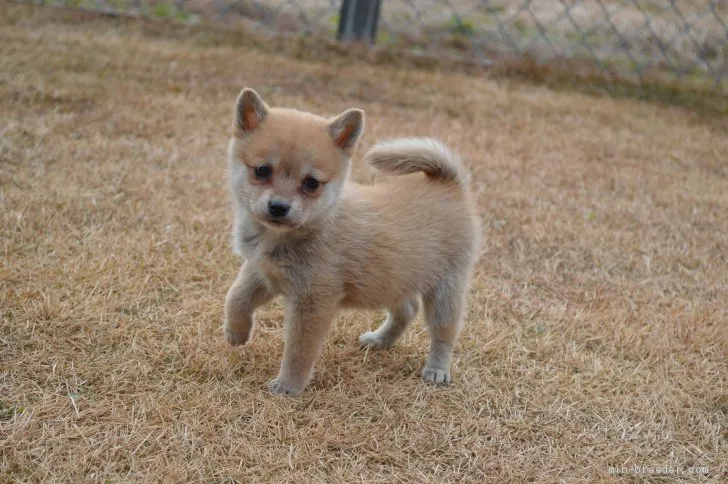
pixel 394 326
pixel 444 306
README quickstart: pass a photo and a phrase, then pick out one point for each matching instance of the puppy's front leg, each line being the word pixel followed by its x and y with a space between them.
pixel 247 293
pixel 306 325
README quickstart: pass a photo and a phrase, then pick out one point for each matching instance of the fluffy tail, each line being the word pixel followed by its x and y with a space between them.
pixel 411 155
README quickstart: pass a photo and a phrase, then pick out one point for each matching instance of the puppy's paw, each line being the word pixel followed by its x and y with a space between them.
pixel 277 387
pixel 235 338
pixel 371 339
pixel 436 376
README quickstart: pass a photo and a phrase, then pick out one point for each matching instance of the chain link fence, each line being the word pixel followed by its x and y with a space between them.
pixel 683 39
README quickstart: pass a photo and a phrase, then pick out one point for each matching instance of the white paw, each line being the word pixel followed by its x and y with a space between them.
pixel 277 387
pixel 235 338
pixel 436 376
pixel 372 340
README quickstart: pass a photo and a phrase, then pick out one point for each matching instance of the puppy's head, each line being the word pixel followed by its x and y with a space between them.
pixel 288 167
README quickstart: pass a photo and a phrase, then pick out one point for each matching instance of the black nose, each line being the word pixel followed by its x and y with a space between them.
pixel 277 209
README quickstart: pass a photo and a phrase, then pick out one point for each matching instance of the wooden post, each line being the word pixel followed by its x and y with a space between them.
pixel 358 20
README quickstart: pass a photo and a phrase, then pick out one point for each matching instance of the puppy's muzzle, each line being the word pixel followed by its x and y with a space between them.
pixel 278 209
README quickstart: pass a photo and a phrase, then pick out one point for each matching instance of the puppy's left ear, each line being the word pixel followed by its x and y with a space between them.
pixel 346 129
pixel 250 111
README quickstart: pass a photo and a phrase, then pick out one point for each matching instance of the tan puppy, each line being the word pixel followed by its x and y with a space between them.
pixel 326 243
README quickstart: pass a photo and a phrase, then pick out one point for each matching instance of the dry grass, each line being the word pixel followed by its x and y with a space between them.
pixel 623 35
pixel 598 329
pixel 675 39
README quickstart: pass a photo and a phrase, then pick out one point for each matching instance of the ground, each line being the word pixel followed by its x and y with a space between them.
pixel 597 333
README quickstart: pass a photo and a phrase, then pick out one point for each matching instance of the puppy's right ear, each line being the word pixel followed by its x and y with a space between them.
pixel 346 129
pixel 250 111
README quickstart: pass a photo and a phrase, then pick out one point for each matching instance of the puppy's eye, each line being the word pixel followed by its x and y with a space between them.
pixel 263 172
pixel 310 184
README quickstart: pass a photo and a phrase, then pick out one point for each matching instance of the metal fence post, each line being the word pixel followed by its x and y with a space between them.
pixel 358 20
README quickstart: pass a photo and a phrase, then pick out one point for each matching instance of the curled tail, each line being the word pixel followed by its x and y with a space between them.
pixel 411 155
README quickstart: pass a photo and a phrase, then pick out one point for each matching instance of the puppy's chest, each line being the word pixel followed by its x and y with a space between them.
pixel 284 267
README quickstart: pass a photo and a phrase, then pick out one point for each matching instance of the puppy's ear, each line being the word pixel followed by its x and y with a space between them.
pixel 346 129
pixel 250 111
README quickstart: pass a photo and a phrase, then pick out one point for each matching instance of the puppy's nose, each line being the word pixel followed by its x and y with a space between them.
pixel 277 208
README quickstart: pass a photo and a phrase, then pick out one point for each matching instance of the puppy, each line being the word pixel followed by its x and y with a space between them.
pixel 325 243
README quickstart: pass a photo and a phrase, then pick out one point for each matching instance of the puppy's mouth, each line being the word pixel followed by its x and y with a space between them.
pixel 278 223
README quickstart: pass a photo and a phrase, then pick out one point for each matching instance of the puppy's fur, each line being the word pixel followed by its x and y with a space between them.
pixel 342 245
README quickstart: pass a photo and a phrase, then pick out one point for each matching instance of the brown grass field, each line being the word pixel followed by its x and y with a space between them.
pixel 671 38
pixel 597 333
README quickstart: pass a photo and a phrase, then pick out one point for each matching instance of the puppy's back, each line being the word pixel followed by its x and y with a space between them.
pixel 437 204
pixel 403 235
